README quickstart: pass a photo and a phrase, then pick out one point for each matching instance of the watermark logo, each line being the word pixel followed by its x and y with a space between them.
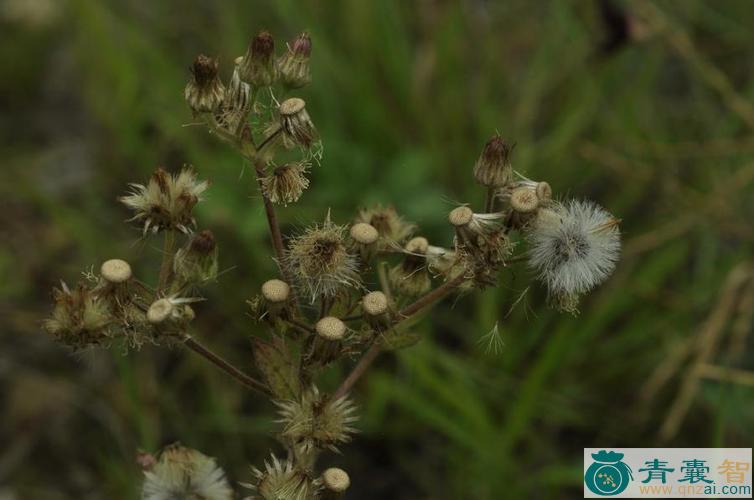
pixel 608 475
pixel 668 473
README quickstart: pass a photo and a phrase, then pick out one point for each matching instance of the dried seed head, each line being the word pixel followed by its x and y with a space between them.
pixel 390 226
pixel 364 233
pixel 79 318
pixel 236 106
pixel 336 480
pixel 166 201
pixel 493 168
pixel 374 304
pixel 330 328
pixel 573 247
pixel 524 200
pixel 281 480
pixel 317 422
pixel 286 184
pixel 197 262
pixel 293 66
pixel 296 123
pixel 159 311
pixel 185 473
pixel 410 278
pixel 460 216
pixel 257 67
pixel 320 262
pixel 116 271
pixel 204 92
pixel 276 291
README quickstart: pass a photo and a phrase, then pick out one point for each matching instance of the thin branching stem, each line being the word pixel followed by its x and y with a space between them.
pixel 368 358
pixel 224 365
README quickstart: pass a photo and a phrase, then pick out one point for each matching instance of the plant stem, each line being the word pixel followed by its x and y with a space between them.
pixel 224 365
pixel 489 205
pixel 272 220
pixel 166 267
pixel 368 358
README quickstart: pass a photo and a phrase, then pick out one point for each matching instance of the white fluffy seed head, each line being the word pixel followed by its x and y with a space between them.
pixel 364 233
pixel 374 303
pixel 159 311
pixel 116 271
pixel 185 473
pixel 276 291
pixel 336 480
pixel 330 328
pixel 460 216
pixel 524 200
pixel 574 247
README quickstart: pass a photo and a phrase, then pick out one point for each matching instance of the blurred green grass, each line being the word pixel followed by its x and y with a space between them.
pixel 404 96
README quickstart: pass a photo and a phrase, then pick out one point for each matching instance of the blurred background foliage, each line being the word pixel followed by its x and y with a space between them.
pixel 645 107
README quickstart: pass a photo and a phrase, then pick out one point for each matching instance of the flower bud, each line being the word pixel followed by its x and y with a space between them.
pixel 493 168
pixel 293 66
pixel 257 67
pixel 197 261
pixel 204 92
pixel 296 123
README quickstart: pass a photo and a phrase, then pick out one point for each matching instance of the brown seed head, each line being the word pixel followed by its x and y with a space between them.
pixel 276 291
pixel 204 70
pixel 460 216
pixel 330 328
pixel 493 168
pixel 204 243
pixel 116 271
pixel 263 47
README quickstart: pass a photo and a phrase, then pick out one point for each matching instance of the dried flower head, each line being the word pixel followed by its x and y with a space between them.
pixel 183 473
pixel 280 480
pixel 573 247
pixel 197 262
pixel 293 66
pixel 276 291
pixel 316 421
pixel 320 262
pixel 481 242
pixel 296 123
pixel 390 226
pixel 116 271
pixel 166 201
pixel 336 480
pixel 493 168
pixel 257 67
pixel 80 318
pixel 204 92
pixel 286 183
pixel 410 277
pixel 364 241
pixel 235 108
pixel 171 310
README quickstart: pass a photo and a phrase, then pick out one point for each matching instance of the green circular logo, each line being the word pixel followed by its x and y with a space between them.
pixel 608 475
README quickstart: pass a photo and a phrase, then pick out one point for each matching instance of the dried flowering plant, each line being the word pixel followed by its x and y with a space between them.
pixel 345 291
